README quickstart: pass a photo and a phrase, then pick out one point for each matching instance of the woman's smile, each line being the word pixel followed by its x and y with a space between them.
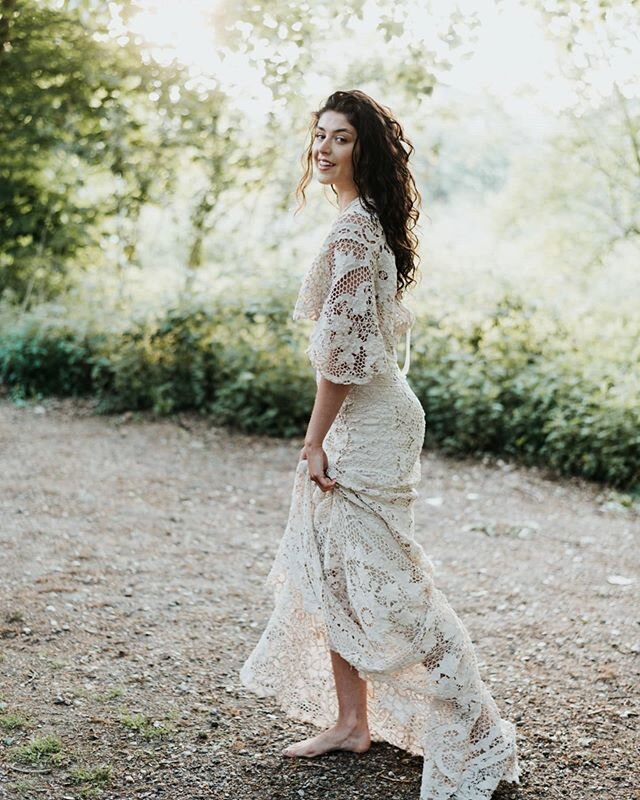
pixel 333 142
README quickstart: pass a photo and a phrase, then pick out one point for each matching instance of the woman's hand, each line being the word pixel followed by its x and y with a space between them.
pixel 329 399
pixel 317 464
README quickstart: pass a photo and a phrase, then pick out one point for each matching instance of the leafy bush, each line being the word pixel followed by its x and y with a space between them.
pixel 515 383
pixel 54 361
pixel 164 365
pixel 241 365
pixel 511 381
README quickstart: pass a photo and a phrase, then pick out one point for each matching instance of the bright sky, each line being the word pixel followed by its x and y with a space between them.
pixel 178 28
pixel 511 56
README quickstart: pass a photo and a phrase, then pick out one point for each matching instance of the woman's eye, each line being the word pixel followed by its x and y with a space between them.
pixel 338 138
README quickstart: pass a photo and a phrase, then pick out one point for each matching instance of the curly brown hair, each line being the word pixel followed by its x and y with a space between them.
pixel 381 174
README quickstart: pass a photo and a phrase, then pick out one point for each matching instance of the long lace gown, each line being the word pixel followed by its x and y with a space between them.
pixel 348 574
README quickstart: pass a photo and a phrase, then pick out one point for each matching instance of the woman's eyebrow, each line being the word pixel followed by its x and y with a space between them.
pixel 337 130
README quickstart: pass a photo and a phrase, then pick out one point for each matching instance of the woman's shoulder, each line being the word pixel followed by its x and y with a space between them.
pixel 359 208
pixel 356 221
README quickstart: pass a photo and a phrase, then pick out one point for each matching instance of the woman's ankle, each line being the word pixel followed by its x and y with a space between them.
pixel 353 722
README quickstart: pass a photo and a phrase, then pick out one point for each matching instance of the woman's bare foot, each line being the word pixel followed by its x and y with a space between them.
pixel 339 737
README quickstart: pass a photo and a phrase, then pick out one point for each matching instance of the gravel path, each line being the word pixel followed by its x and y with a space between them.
pixel 133 557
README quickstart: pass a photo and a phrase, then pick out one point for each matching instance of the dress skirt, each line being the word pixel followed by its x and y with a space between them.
pixel 349 576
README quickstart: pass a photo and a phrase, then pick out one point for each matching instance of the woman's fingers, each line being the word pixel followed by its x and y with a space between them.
pixel 325 483
pixel 318 465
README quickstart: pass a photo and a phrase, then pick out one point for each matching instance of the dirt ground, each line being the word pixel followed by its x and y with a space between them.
pixel 133 554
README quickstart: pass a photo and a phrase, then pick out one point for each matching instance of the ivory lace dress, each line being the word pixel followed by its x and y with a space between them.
pixel 348 574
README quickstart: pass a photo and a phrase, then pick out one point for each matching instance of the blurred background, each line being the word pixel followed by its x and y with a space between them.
pixel 150 251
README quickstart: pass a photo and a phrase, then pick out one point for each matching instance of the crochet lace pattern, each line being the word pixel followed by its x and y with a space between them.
pixel 349 575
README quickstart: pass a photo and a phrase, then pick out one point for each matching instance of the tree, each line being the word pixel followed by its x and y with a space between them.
pixel 598 44
pixel 88 133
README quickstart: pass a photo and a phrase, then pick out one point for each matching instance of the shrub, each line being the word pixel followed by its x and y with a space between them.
pixel 54 361
pixel 511 380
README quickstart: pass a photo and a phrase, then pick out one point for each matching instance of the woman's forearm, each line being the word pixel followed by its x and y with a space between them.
pixel 329 398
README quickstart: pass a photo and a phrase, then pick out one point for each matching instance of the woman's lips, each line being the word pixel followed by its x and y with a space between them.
pixel 325 167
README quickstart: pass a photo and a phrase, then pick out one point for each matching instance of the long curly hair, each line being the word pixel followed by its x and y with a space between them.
pixel 380 172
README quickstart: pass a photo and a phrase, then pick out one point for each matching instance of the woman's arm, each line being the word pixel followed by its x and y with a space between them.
pixel 329 398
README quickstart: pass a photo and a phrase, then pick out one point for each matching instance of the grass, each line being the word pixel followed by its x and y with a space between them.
pixel 111 694
pixel 626 499
pixel 42 751
pixel 23 786
pixel 91 779
pixel 150 729
pixel 12 722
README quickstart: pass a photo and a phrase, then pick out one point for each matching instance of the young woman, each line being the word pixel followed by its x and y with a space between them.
pixel 361 642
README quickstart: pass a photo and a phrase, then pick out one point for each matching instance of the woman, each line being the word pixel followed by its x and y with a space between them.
pixel 361 642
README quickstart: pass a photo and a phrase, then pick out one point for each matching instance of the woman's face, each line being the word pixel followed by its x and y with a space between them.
pixel 334 140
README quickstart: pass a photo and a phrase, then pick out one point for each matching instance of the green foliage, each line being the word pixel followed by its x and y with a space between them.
pixel 511 380
pixel 46 91
pixel 90 134
pixel 265 381
pixel 237 364
pixel 145 725
pixel 12 722
pixel 165 365
pixel 95 130
pixel 43 750
pixel 241 364
pixel 97 776
pixel 40 361
pixel 514 383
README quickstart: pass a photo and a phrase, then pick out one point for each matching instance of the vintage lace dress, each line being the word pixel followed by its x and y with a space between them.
pixel 348 574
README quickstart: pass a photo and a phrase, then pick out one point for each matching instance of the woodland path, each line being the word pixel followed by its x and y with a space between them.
pixel 133 553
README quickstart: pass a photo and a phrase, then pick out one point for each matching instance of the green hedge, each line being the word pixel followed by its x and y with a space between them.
pixel 242 365
pixel 508 381
pixel 514 383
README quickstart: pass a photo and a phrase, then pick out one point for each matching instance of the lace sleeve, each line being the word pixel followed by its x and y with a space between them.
pixel 347 344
